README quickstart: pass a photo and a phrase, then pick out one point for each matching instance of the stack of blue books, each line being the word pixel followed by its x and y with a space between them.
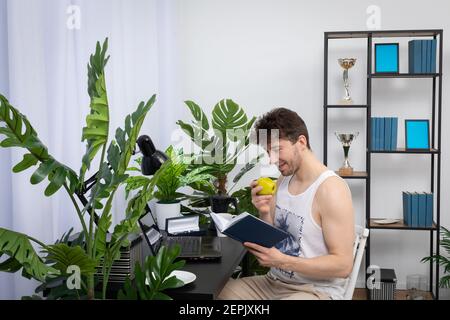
pixel 418 209
pixel 422 56
pixel 384 133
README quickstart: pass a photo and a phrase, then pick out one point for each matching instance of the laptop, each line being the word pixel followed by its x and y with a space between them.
pixel 200 248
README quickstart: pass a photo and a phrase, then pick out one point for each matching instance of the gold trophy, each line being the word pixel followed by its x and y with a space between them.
pixel 346 63
pixel 346 139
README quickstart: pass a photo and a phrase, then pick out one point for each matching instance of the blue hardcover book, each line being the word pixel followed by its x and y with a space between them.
pixel 248 228
pixel 409 208
pixel 414 209
pixel 424 56
pixel 377 133
pixel 417 56
pixel 394 133
pixel 382 147
pixel 429 215
pixel 373 133
pixel 433 56
pixel 429 55
pixel 422 209
pixel 405 207
pixel 387 133
pixel 411 56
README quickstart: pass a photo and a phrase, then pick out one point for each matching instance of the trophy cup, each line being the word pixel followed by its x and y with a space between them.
pixel 346 63
pixel 346 139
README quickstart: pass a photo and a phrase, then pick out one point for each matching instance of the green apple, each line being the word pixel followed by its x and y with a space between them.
pixel 269 186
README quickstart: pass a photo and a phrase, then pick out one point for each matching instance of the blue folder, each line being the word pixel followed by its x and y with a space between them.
pixel 424 56
pixel 417 45
pixel 433 56
pixel 414 210
pixel 394 133
pixel 405 207
pixel 387 134
pixel 429 214
pixel 411 56
pixel 381 146
pixel 422 209
pixel 374 133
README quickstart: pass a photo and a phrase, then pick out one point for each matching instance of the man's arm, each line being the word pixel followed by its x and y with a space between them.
pixel 333 202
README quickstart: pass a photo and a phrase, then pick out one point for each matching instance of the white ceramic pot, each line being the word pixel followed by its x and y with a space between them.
pixel 165 211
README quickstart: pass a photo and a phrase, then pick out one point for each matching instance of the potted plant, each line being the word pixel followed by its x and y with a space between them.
pixel 173 175
pixel 442 260
pixel 221 142
pixel 94 251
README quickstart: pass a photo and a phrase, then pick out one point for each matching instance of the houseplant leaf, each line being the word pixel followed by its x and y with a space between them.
pixel 65 256
pixel 18 246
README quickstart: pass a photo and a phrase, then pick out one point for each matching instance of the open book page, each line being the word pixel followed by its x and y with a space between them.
pixel 224 221
pixel 221 221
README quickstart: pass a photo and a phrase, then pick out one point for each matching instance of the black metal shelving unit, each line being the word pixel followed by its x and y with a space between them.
pixel 434 152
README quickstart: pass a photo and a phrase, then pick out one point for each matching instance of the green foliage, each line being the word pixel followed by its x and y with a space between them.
pixel 19 133
pixel 65 256
pixel 443 261
pixel 153 279
pixel 22 255
pixel 221 148
pixel 97 122
pixel 175 174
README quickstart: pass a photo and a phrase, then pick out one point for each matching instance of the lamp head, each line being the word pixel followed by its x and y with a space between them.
pixel 152 159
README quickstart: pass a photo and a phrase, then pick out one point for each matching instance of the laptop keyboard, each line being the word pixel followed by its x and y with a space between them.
pixel 189 245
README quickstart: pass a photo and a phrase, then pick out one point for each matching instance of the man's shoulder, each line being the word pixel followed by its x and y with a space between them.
pixel 333 187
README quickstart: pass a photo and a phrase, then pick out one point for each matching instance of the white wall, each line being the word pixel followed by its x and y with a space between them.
pixel 265 54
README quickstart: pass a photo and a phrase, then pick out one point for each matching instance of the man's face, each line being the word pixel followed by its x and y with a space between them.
pixel 286 155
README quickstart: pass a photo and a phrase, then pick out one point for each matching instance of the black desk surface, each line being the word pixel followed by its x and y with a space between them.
pixel 211 276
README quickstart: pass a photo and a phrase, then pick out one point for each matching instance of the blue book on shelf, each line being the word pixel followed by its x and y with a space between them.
pixel 414 210
pixel 382 147
pixel 411 56
pixel 422 209
pixel 429 214
pixel 433 56
pixel 387 133
pixel 417 47
pixel 409 208
pixel 373 133
pixel 428 56
pixel 424 56
pixel 394 133
pixel 405 207
pixel 377 133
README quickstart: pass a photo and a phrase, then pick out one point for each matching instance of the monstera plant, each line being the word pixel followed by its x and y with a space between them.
pixel 219 143
pixel 114 156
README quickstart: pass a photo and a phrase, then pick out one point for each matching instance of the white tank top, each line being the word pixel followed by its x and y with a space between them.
pixel 293 214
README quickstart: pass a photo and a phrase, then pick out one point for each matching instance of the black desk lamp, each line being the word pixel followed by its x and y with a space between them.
pixel 151 161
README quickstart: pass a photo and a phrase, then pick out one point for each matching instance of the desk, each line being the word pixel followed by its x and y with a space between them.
pixel 211 276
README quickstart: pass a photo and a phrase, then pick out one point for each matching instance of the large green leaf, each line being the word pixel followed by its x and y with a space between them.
pixel 228 115
pixel 18 247
pixel 97 122
pixel 65 256
pixel 151 281
pixel 19 133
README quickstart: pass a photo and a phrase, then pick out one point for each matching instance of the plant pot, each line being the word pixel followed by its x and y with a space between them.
pixel 165 211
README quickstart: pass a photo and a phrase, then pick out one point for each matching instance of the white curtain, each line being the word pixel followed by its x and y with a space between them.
pixel 43 73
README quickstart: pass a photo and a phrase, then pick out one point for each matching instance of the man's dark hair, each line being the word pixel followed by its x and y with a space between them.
pixel 289 124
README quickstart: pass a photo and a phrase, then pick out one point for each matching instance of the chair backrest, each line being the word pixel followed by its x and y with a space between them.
pixel 361 235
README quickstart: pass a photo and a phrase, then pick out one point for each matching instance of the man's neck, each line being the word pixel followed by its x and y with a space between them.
pixel 310 169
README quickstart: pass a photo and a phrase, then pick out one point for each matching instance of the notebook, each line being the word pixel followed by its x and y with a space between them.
pixel 248 228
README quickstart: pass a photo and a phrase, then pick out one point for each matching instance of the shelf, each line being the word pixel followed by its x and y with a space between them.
pixel 397 226
pixel 404 75
pixel 383 34
pixel 403 150
pixel 345 106
pixel 355 175
pixel 361 294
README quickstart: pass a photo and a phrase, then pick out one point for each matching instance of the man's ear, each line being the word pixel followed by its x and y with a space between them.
pixel 303 142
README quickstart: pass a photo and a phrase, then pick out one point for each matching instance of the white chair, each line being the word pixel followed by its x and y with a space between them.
pixel 361 235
